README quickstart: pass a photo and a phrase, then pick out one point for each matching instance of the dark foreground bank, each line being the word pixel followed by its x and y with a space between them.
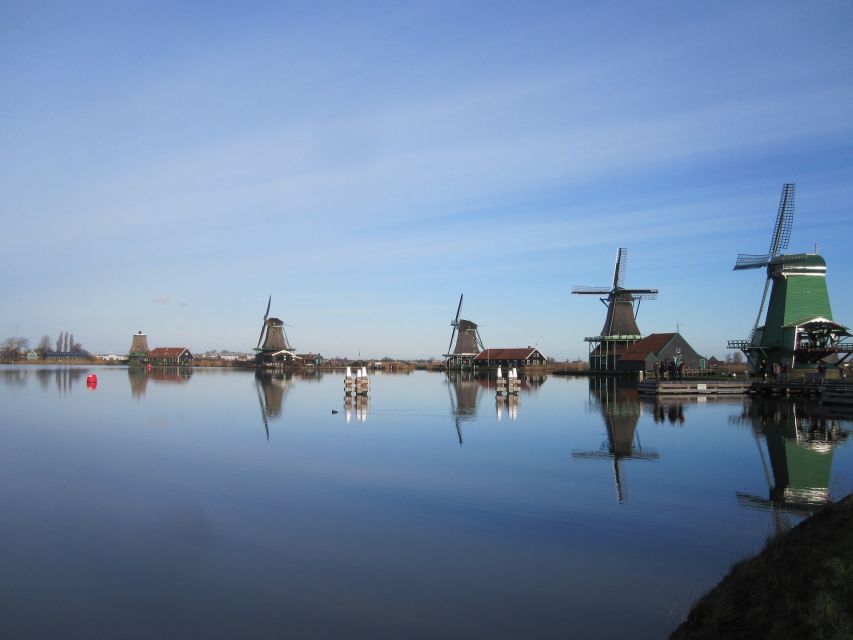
pixel 799 586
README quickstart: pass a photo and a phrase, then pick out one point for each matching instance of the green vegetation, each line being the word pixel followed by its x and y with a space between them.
pixel 799 586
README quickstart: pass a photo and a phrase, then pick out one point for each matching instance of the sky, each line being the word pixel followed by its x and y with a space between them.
pixel 166 167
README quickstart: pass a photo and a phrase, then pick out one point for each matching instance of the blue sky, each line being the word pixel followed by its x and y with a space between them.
pixel 166 168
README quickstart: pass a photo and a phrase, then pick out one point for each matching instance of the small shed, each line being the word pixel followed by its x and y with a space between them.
pixel 659 347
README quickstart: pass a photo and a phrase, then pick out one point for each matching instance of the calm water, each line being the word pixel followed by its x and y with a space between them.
pixel 214 504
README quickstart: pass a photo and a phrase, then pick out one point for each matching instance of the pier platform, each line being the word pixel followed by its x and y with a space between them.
pixel 693 387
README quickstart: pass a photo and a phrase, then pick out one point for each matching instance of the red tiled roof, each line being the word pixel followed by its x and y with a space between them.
pixel 508 354
pixel 167 352
pixel 650 344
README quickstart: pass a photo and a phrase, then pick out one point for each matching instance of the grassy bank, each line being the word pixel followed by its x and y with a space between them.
pixel 799 586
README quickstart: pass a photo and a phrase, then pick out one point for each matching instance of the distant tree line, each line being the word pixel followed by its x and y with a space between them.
pixel 15 348
pixel 64 343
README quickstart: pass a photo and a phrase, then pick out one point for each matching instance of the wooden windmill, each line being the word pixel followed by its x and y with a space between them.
pixel 620 324
pixel 276 346
pixel 468 342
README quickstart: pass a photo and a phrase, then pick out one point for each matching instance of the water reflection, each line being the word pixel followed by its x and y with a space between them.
pixel 140 376
pixel 508 402
pixel 272 387
pixel 464 389
pixel 63 378
pixel 358 405
pixel 800 440
pixel 621 410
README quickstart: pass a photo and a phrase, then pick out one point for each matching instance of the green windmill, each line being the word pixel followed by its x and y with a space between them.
pixel 798 330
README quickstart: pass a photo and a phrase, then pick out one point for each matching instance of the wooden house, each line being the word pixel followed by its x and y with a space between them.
pixel 508 358
pixel 173 356
pixel 659 347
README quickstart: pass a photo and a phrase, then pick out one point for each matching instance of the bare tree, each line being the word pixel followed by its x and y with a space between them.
pixel 44 345
pixel 59 342
pixel 11 348
pixel 70 342
pixel 737 358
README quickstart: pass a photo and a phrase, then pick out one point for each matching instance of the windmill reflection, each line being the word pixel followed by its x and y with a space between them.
pixel 272 387
pixel 464 389
pixel 621 410
pixel 800 440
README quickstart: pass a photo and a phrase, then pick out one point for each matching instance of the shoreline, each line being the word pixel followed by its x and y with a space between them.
pixel 799 585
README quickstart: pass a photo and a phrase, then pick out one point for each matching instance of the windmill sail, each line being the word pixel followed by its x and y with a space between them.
pixel 780 237
pixel 621 312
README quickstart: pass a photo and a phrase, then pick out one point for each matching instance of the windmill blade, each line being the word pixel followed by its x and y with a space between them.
pixel 479 340
pixel 621 266
pixel 655 291
pixel 458 309
pixel 452 335
pixel 784 221
pixel 261 337
pixel 264 322
pixel 751 261
pixel 454 323
pixel 641 294
pixel 581 289
pixel 760 308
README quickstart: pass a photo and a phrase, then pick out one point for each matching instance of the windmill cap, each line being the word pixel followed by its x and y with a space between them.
pixel 805 259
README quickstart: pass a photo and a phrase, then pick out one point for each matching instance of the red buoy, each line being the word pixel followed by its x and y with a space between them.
pixel 92 381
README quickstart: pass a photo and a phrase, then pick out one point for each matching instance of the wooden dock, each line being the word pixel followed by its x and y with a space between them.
pixel 838 394
pixel 831 392
pixel 693 387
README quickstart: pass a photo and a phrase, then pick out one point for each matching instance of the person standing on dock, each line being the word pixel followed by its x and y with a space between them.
pixel 776 371
pixel 785 372
pixel 681 371
pixel 821 372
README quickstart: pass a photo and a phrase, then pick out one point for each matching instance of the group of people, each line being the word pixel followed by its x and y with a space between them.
pixel 669 369
pixel 779 371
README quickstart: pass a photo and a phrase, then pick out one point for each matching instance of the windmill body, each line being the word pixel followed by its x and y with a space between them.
pixel 620 328
pixel 138 348
pixel 468 343
pixel 798 329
